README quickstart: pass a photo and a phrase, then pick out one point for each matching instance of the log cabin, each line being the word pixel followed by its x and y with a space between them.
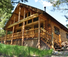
pixel 34 27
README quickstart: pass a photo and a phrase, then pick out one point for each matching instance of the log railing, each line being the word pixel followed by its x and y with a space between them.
pixel 46 36
pixel 32 33
pixel 27 34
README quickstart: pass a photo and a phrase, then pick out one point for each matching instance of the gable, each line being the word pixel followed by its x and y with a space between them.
pixel 15 15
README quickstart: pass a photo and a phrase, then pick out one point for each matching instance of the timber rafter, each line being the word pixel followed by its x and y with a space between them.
pixel 23 20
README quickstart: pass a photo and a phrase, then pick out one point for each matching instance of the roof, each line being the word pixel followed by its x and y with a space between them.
pixel 43 12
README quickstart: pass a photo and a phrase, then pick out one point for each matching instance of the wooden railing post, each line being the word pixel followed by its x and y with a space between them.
pixel 5 37
pixel 12 36
pixel 52 41
pixel 23 28
pixel 59 40
pixel 39 33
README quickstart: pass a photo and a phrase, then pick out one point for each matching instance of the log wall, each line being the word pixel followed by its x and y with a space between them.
pixel 62 32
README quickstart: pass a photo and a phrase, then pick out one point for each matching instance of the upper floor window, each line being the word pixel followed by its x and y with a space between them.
pixel 35 19
pixel 56 30
pixel 19 30
pixel 67 35
pixel 27 14
pixel 29 21
pixel 20 24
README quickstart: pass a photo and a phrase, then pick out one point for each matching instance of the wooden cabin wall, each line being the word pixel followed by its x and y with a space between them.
pixel 62 32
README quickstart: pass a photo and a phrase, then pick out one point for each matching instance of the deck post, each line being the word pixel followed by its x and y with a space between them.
pixel 12 36
pixel 39 33
pixel 23 28
pixel 19 14
pixel 52 41
pixel 5 37
pixel 59 40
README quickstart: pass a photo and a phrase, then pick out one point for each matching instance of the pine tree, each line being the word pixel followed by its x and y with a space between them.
pixel 5 13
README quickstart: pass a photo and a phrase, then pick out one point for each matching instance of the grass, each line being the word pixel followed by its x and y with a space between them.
pixel 18 51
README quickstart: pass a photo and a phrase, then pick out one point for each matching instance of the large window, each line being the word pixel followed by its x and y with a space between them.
pixel 20 24
pixel 27 14
pixel 67 35
pixel 35 19
pixel 29 21
pixel 19 30
pixel 56 30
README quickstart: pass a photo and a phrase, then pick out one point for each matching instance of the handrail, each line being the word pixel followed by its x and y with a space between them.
pixel 45 31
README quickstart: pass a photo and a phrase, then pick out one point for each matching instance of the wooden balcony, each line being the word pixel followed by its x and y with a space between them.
pixel 32 33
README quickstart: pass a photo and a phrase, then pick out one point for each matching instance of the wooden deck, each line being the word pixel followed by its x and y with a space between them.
pixel 32 33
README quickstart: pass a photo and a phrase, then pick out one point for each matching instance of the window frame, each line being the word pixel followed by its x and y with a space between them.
pixel 56 30
pixel 67 35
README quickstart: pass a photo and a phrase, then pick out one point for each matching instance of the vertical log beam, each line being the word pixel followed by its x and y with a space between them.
pixel 52 41
pixel 59 40
pixel 5 37
pixel 19 14
pixel 39 33
pixel 23 28
pixel 12 36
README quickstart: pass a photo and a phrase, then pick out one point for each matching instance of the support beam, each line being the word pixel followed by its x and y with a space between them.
pixel 12 35
pixel 19 14
pixel 23 28
pixel 39 33
pixel 52 41
pixel 59 40
pixel 5 37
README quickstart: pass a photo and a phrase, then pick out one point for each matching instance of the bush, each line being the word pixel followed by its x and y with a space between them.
pixel 16 50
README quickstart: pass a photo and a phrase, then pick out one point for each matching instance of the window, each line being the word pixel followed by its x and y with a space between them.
pixel 20 24
pixel 67 35
pixel 25 15
pixel 41 25
pixel 29 21
pixel 56 30
pixel 28 13
pixel 35 19
pixel 19 30
pixel 27 28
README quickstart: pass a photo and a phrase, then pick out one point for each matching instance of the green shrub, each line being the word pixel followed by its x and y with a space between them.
pixel 16 50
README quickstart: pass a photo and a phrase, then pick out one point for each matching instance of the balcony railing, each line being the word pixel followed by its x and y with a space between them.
pixel 32 33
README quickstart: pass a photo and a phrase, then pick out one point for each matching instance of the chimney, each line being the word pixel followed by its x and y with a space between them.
pixel 45 9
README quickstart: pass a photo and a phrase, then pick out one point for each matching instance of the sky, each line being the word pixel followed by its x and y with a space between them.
pixel 40 4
